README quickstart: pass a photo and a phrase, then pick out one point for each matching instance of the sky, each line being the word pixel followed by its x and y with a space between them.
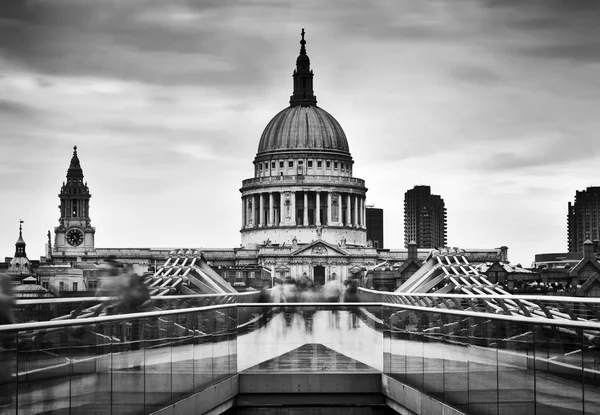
pixel 493 104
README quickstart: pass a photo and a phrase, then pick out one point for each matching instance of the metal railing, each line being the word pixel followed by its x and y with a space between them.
pixel 562 308
pixel 477 362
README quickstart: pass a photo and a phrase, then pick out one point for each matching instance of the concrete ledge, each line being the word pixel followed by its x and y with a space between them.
pixel 213 400
pixel 318 382
pixel 409 401
pixel 282 400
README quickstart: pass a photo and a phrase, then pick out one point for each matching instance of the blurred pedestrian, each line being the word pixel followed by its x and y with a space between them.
pixel 7 300
pixel 351 296
pixel 133 294
pixel 332 292
pixel 132 297
pixel 264 297
pixel 7 341
pixel 112 281
pixel 309 294
pixel 290 291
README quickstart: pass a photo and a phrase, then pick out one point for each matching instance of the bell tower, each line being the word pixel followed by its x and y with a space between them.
pixel 75 235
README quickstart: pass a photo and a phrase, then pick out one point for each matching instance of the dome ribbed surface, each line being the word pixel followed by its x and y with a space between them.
pixel 300 128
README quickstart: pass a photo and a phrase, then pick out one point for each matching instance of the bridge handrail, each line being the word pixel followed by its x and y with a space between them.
pixel 564 299
pixel 588 325
pixel 101 299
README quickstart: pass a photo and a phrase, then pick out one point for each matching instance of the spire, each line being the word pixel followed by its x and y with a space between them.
pixel 74 194
pixel 303 79
pixel 75 171
pixel 20 245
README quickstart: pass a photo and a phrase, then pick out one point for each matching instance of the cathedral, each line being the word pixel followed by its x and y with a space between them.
pixel 303 213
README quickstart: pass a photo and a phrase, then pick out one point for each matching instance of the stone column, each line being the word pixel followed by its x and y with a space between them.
pixel 360 208
pixel 329 208
pixel 262 210
pixel 318 208
pixel 305 208
pixel 294 208
pixel 254 209
pixel 280 208
pixel 355 211
pixel 364 213
pixel 340 210
pixel 271 209
pixel 248 213
pixel 243 212
pixel 348 210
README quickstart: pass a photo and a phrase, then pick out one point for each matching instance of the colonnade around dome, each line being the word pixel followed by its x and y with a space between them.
pixel 279 216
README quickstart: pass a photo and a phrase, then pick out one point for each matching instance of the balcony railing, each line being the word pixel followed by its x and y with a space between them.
pixel 303 179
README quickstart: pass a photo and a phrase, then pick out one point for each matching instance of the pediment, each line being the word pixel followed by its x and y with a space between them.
pixel 319 248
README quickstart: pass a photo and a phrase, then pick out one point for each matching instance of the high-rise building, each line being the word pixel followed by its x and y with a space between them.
pixel 375 226
pixel 424 218
pixel 583 218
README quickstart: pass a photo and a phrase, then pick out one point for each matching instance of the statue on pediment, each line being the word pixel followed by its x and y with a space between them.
pixel 319 231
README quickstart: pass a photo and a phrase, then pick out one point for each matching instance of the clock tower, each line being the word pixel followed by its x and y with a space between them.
pixel 74 237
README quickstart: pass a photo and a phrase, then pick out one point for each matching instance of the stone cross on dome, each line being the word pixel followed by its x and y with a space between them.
pixel 302 43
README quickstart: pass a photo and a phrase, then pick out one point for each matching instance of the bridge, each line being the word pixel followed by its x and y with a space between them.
pixel 447 342
pixel 390 353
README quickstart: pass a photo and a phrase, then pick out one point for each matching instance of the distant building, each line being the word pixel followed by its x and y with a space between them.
pixel 375 226
pixel 424 218
pixel 559 260
pixel 577 273
pixel 18 267
pixel 500 272
pixel 583 219
pixel 74 237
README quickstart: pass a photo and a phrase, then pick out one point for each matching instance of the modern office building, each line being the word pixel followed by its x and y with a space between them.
pixel 424 218
pixel 375 226
pixel 583 219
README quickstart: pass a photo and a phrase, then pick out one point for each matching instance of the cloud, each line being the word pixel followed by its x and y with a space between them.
pixel 139 41
pixel 550 150
pixel 575 52
pixel 14 108
pixel 475 75
pixel 167 101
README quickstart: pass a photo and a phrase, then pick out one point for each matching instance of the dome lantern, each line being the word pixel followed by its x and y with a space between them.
pixel 303 80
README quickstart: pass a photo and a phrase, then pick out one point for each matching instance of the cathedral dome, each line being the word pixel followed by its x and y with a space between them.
pixel 303 128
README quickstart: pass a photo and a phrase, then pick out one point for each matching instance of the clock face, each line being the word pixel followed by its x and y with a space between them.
pixel 74 237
